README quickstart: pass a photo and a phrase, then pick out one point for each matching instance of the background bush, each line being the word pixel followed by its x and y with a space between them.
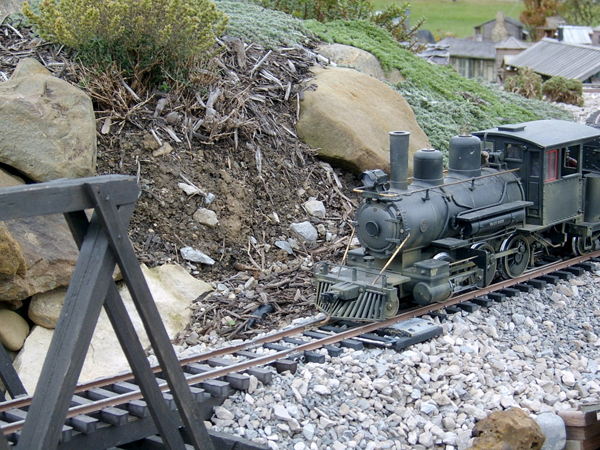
pixel 393 17
pixel 142 37
pixel 563 90
pixel 526 83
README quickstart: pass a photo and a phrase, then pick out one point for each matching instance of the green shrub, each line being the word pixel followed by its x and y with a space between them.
pixel 526 83
pixel 563 90
pixel 140 36
pixel 442 100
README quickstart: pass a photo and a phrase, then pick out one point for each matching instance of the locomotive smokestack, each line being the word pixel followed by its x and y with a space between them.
pixel 399 159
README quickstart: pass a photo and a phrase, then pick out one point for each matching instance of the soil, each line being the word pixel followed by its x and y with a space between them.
pixel 235 141
pixel 254 211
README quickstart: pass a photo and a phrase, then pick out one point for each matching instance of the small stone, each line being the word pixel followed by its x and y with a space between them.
pixel 315 208
pixel 323 390
pixel 308 431
pixel 568 379
pixel 206 217
pixel 284 245
pixel 380 384
pixel 173 117
pixel 191 254
pixel 305 230
pixel 13 330
pixel 163 150
pixel 281 412
pixel 223 413
pixel 188 188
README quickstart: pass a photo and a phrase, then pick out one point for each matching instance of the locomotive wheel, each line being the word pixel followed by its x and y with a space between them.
pixel 490 269
pixel 391 308
pixel 514 265
pixel 582 246
pixel 443 256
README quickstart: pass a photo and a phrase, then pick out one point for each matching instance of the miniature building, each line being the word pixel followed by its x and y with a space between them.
pixel 550 57
pixel 513 28
pixel 472 59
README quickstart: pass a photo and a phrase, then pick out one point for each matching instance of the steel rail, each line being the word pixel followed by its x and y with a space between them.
pixel 120 399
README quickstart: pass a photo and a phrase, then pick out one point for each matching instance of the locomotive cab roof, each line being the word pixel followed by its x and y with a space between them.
pixel 544 133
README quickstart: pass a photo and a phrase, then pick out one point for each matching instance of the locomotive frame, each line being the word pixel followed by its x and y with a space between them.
pixel 511 195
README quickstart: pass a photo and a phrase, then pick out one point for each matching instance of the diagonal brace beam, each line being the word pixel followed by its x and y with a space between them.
pixel 123 251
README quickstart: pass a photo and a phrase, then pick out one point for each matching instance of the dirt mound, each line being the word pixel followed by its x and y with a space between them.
pixel 236 142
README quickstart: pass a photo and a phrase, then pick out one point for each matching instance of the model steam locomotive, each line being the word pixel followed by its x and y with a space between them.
pixel 511 195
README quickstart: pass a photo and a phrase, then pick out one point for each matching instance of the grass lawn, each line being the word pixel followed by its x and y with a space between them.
pixel 457 18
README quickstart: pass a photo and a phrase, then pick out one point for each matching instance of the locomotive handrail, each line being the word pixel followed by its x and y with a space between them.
pixel 470 180
pixel 360 191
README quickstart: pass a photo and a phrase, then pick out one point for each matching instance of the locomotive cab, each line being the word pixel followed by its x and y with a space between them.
pixel 557 162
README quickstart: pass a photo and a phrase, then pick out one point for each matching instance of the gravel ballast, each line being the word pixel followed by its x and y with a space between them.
pixel 538 351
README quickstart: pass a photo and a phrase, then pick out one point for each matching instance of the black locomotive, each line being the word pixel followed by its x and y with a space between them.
pixel 511 195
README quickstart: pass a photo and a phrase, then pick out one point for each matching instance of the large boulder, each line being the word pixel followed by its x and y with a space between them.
pixel 512 429
pixel 361 60
pixel 48 129
pixel 12 261
pixel 50 256
pixel 173 290
pixel 38 253
pixel 348 118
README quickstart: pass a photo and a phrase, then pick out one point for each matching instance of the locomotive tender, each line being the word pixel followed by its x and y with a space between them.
pixel 536 191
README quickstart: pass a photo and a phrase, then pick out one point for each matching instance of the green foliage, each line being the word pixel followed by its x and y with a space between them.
pixel 443 101
pixel 321 10
pixel 581 12
pixel 269 28
pixel 393 18
pixel 563 90
pixel 140 36
pixel 526 83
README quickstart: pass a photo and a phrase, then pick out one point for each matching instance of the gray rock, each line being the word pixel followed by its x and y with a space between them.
pixel 9 7
pixel 284 245
pixel 315 208
pixel 361 60
pixel 191 254
pixel 173 290
pixel 305 230
pixel 308 431
pixel 553 427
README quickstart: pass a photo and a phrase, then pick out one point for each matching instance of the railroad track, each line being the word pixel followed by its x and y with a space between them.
pixel 110 412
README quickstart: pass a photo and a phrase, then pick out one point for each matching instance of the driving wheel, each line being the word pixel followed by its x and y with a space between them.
pixel 514 264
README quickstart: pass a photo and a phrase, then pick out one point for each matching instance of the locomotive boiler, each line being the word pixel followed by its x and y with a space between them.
pixel 495 210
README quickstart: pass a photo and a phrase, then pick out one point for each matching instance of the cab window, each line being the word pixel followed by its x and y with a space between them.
pixel 514 152
pixel 551 165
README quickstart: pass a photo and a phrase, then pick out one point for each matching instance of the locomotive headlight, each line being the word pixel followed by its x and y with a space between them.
pixel 374 179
